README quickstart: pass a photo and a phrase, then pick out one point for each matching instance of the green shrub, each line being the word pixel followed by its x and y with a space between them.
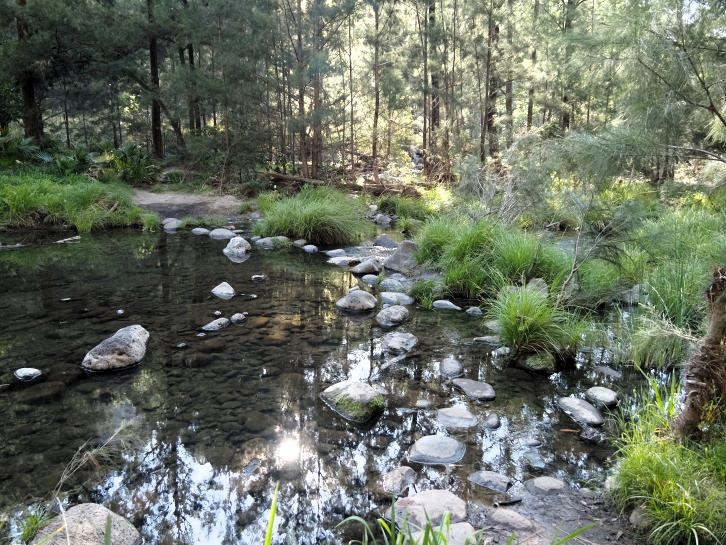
pixel 516 254
pixel 434 237
pixel 599 281
pixel 681 485
pixel 657 343
pixel 404 207
pixel 675 291
pixel 467 278
pixel 320 215
pixel 33 523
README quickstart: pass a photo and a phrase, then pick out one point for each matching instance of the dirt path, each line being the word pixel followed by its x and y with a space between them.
pixel 179 205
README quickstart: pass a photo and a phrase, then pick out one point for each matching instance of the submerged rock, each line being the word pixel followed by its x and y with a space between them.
pixel 492 422
pixel 397 481
pixel 432 504
pixel 85 524
pixel 450 367
pixel 354 400
pixel 491 480
pixel 396 298
pixel 216 325
pixel 357 301
pixel 223 291
pixel 398 342
pixel 369 266
pixel 445 304
pixel 392 316
pixel 475 389
pixel 404 258
pixel 457 416
pixel 545 485
pixel 580 411
pixel 123 349
pixel 604 397
pixel 436 450
pixel 222 234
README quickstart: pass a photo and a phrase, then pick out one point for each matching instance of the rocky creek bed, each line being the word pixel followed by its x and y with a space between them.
pixel 227 399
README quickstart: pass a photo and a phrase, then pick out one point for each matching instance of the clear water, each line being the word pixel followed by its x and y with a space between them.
pixel 213 426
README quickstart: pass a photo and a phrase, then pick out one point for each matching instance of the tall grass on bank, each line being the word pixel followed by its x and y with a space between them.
pixel 680 486
pixel 320 215
pixel 34 199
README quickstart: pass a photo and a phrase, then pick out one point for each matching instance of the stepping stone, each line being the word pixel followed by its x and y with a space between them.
pixel 27 374
pixel 511 520
pixel 457 416
pixel 491 480
pixel 492 422
pixel 357 301
pixel 310 249
pixel 545 485
pixel 475 389
pixel 354 400
pixel 369 266
pixel 335 253
pixel 431 503
pixel 222 234
pixel 459 533
pixel 396 298
pixel 474 311
pixel 171 224
pixel 398 342
pixel 236 250
pixel 216 325
pixel 392 316
pixel 223 291
pixel 271 243
pixel 344 260
pixel 580 411
pixel 436 450
pixel 451 367
pixel 397 481
pixel 604 397
pixel 445 304
pixel 200 231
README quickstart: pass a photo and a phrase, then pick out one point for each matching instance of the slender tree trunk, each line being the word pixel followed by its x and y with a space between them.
pixel 435 83
pixel 350 92
pixel 157 142
pixel 508 86
pixel 566 115
pixel 195 107
pixel 376 89
pixel 65 118
pixel 480 93
pixel 533 59
pixel 492 85
pixel 301 94
pixel 29 83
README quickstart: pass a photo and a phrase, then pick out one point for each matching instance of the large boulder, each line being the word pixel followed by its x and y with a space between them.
pixel 85 524
pixel 354 400
pixel 392 316
pixel 123 349
pixel 437 450
pixel 580 411
pixel 357 301
pixel 404 258
pixel 368 266
pixel 431 504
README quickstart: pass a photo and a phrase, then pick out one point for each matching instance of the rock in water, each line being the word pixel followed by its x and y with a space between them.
pixel 310 249
pixel 357 301
pixel 237 248
pixel 398 343
pixel 604 397
pixel 492 422
pixel 216 325
pixel 354 400
pixel 222 234
pixel 397 481
pixel 457 416
pixel 451 367
pixel 238 318
pixel 491 480
pixel 511 520
pixel 370 279
pixel 432 504
pixel 392 316
pixel 545 485
pixel 338 252
pixel 27 374
pixel 436 450
pixel 459 533
pixel 369 266
pixel 385 241
pixel 200 231
pixel 404 258
pixel 223 291
pixel 580 411
pixel 396 298
pixel 171 224
pixel 475 389
pixel 445 304
pixel 124 348
pixel 85 524
pixel 272 243
pixel 474 311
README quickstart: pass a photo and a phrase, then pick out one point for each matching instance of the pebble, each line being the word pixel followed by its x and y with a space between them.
pixel 27 374
pixel 492 422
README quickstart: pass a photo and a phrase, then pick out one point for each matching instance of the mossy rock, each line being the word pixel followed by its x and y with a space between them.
pixel 354 400
pixel 542 362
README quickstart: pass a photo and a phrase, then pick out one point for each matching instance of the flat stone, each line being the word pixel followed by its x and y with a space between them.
pixel 124 348
pixel 369 266
pixel 171 224
pixel 404 258
pixel 396 298
pixel 354 400
pixel 459 533
pixel 216 325
pixel 27 374
pixel 451 367
pixel 398 342
pixel 580 411
pixel 457 416
pixel 436 450
pixel 608 372
pixel 545 485
pixel 339 252
pixel 491 480
pixel 396 282
pixel 601 396
pixel 487 340
pixel 474 311
pixel 238 318
pixel 310 249
pixel 397 481
pixel 200 231
pixel 85 524
pixel 511 520
pixel 300 243
pixel 357 301
pixel 475 389
pixel 222 234
pixel 344 260
pixel 385 241
pixel 258 277
pixel 223 291
pixel 492 421
pixel 533 460
pixel 445 304
pixel 431 503
pixel 272 243
pixel 392 316
pixel 370 279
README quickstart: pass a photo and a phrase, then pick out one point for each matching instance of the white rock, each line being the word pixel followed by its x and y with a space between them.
pixel 223 291
pixel 445 304
pixel 124 348
pixel 221 234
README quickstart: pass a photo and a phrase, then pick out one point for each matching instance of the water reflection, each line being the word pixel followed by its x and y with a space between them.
pixel 220 421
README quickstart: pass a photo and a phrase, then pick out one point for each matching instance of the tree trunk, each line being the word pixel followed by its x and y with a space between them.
pixel 508 86
pixel 492 85
pixel 533 58
pixel 704 378
pixel 435 83
pixel 157 143
pixel 350 91
pixel 376 87
pixel 29 81
pixel 569 15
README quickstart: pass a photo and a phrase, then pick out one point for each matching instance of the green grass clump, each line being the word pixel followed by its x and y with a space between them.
pixel 33 523
pixel 434 237
pixel 405 207
pixel 202 221
pixel 516 254
pixel 529 322
pixel 599 281
pixel 426 292
pixel 675 291
pixel 320 215
pixel 681 485
pixel 36 198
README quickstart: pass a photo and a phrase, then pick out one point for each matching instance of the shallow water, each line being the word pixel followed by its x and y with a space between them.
pixel 214 425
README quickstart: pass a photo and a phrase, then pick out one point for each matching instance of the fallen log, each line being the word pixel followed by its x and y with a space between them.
pixel 280 177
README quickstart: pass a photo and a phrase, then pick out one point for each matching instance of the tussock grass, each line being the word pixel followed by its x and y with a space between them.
pixel 435 236
pixel 681 485
pixel 657 343
pixel 34 199
pixel 599 282
pixel 676 289
pixel 320 215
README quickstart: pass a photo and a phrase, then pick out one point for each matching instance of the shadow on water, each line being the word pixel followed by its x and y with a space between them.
pixel 217 422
